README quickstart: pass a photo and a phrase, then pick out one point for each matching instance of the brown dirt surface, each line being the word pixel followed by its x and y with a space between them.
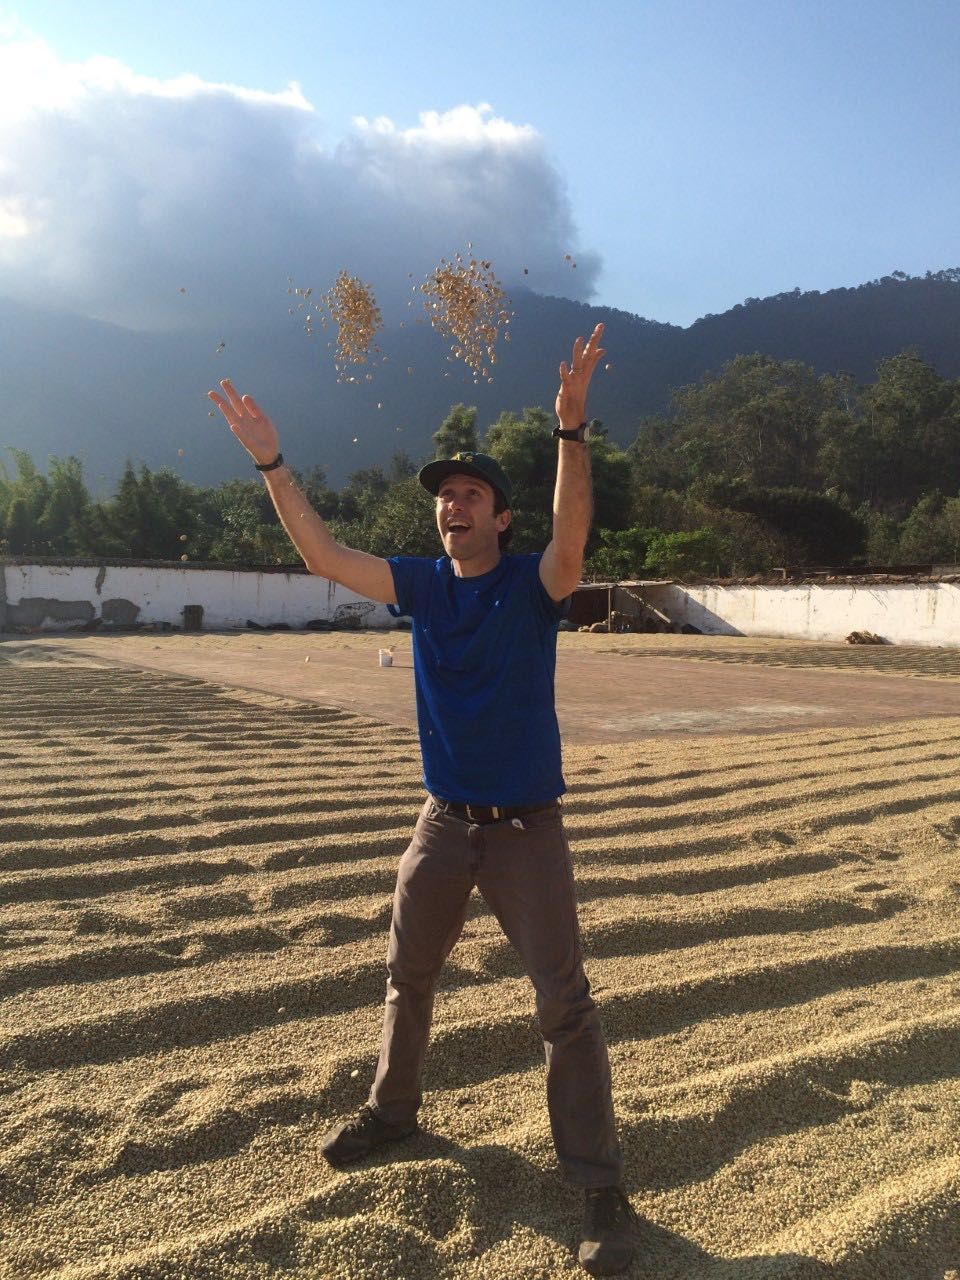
pixel 195 882
pixel 609 688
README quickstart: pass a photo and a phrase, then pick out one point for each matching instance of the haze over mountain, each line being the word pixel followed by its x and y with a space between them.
pixel 72 385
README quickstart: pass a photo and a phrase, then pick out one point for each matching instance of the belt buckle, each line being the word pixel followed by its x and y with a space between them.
pixel 492 807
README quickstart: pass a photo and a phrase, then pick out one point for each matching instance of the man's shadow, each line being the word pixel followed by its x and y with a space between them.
pixel 546 1205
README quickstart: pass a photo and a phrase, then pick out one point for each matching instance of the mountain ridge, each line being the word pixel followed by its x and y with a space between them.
pixel 88 387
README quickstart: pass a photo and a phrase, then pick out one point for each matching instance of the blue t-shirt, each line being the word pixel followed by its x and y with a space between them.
pixel 484 658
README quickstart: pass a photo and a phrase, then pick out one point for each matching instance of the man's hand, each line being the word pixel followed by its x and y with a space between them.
pixel 562 563
pixel 575 380
pixel 368 576
pixel 248 423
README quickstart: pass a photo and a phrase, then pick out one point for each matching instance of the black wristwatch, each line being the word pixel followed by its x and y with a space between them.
pixel 581 433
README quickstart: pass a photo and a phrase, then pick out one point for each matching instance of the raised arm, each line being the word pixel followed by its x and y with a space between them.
pixel 368 576
pixel 562 562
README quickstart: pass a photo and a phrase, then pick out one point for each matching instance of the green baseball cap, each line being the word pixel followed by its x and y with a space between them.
pixel 480 465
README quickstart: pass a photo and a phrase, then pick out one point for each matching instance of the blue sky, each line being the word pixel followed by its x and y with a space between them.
pixel 709 151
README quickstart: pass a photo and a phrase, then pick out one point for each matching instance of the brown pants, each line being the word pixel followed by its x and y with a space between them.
pixel 523 869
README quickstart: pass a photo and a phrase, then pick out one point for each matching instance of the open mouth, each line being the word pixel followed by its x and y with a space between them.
pixel 457 527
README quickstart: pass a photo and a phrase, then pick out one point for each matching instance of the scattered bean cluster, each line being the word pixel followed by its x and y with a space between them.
pixel 353 309
pixel 463 300
pixel 467 306
pixel 350 306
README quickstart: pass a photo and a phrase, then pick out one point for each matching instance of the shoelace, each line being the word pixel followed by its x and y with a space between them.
pixel 608 1209
pixel 363 1121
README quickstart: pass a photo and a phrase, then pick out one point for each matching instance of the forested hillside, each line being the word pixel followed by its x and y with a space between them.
pixel 763 463
pixel 108 395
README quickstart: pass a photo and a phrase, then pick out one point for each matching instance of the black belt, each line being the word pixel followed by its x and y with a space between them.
pixel 482 814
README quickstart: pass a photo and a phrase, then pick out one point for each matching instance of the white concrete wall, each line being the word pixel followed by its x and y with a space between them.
pixel 908 613
pixel 54 597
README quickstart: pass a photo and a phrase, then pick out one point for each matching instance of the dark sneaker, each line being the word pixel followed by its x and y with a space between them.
pixel 609 1224
pixel 356 1138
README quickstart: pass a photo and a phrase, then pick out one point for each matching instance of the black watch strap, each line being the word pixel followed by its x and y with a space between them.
pixel 580 433
pixel 270 466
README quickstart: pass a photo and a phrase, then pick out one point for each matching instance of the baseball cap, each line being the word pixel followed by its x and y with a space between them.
pixel 480 465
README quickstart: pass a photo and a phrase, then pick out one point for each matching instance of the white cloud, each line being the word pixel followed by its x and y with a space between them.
pixel 117 189
pixel 33 78
pixel 13 224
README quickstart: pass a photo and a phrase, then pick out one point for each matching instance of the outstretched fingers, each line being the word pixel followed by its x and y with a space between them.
pixel 585 356
pixel 236 408
pixel 236 400
pixel 231 407
pixel 232 393
pixel 593 351
pixel 222 405
pixel 571 404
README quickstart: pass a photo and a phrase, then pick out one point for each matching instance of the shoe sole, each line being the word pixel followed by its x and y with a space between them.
pixel 594 1269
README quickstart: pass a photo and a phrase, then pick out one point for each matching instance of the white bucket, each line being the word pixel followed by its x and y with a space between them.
pixel 386 657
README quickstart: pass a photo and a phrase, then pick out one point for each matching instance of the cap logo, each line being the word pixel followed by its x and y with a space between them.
pixel 463 457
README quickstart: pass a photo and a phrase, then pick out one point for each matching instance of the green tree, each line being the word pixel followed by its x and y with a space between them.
pixel 619 555
pixel 699 553
pixel 402 523
pixel 457 433
pixel 847 455
pixel 925 536
pixel 6 496
pixel 612 476
pixel 883 536
pixel 654 462
pixel 318 493
pixel 21 527
pixel 912 429
pixel 756 421
pixel 26 496
pixel 64 523
pixel 813 528
pixel 951 521
pixel 154 515
pixel 656 508
pixel 362 492
pixel 402 467
pixel 245 529
pixel 526 450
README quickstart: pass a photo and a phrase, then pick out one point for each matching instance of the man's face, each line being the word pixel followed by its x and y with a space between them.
pixel 465 518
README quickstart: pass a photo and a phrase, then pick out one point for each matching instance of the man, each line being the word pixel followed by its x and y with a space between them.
pixel 484 641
